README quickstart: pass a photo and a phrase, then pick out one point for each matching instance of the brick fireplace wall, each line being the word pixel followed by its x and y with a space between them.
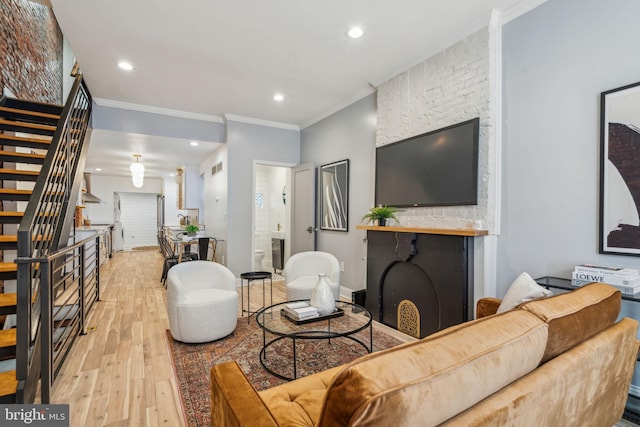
pixel 30 51
pixel 450 87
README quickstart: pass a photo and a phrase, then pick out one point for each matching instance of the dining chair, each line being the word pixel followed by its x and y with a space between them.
pixel 170 258
pixel 203 248
pixel 187 255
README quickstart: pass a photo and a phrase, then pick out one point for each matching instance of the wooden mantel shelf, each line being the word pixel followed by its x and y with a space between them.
pixel 445 231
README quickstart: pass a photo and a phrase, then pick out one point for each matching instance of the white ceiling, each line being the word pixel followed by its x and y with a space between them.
pixel 214 57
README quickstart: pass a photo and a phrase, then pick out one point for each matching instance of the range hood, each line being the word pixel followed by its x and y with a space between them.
pixel 87 196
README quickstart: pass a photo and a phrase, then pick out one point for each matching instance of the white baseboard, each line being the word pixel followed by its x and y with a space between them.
pixel 346 293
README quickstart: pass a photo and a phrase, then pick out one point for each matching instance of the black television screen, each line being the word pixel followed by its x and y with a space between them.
pixel 438 168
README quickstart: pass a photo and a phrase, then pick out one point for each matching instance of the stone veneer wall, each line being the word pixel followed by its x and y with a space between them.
pixel 450 87
pixel 30 51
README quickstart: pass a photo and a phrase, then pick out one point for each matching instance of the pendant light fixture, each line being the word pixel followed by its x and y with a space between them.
pixel 137 172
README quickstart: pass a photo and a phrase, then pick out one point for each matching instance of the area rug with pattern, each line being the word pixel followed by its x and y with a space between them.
pixel 192 362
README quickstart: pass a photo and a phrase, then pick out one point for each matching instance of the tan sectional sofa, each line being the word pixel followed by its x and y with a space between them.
pixel 560 361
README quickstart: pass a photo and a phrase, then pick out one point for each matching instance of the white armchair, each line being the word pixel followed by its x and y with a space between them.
pixel 301 274
pixel 202 301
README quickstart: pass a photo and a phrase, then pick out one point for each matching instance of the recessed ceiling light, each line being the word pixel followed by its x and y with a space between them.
pixel 278 97
pixel 98 169
pixel 194 143
pixel 355 32
pixel 172 174
pixel 125 65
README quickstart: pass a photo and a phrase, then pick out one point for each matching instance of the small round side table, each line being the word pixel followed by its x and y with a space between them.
pixel 250 277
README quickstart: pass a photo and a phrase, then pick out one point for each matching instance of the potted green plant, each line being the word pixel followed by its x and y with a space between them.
pixel 191 229
pixel 381 214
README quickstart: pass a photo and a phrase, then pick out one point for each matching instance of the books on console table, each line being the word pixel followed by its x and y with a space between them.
pixel 610 280
pixel 626 286
pixel 627 280
pixel 598 270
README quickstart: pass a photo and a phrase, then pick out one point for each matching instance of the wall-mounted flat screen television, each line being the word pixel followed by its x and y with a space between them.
pixel 438 168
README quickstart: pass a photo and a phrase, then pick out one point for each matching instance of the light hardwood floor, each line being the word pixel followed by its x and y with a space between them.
pixel 120 372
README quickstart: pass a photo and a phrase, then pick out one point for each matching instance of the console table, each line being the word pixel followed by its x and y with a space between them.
pixel 420 275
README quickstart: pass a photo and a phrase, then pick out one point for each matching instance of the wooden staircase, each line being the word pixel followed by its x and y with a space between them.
pixel 27 128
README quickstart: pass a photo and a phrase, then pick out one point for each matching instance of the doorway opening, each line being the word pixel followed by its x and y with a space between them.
pixel 138 217
pixel 271 217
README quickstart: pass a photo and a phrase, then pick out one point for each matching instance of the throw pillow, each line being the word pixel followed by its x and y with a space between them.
pixel 523 289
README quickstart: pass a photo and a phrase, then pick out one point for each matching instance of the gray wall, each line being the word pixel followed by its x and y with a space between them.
pixel 246 144
pixel 121 120
pixel 347 134
pixel 557 59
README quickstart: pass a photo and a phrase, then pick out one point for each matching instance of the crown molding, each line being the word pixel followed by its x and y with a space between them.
pixel 519 9
pixel 157 110
pixel 260 122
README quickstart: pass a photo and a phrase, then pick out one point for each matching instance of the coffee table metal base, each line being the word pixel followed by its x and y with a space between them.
pixel 263 353
pixel 322 332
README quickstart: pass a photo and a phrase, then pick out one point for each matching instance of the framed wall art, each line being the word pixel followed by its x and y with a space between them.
pixel 620 171
pixel 334 196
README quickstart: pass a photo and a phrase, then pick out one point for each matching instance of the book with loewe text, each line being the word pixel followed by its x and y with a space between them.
pixel 610 280
pixel 607 271
pixel 626 290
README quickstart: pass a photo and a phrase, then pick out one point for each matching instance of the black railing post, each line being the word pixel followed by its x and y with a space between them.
pixel 23 325
pixel 98 238
pixel 82 291
pixel 46 312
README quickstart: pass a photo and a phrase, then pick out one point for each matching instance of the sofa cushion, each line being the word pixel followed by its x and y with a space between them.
pixel 299 402
pixel 584 386
pixel 412 384
pixel 523 289
pixel 576 316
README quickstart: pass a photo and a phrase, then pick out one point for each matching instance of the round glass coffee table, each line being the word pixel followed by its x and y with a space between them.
pixel 348 320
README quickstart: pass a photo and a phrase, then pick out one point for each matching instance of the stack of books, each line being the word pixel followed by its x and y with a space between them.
pixel 300 311
pixel 625 279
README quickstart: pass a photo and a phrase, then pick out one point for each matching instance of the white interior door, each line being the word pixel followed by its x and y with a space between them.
pixel 303 225
pixel 138 215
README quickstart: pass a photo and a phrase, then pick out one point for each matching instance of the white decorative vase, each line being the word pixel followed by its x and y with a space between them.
pixel 322 296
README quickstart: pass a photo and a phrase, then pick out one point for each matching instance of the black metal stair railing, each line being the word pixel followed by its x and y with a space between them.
pixel 45 229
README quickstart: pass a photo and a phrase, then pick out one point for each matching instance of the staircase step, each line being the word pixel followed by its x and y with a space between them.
pixel 8 386
pixel 14 157
pixel 7 342
pixel 8 270
pixel 18 175
pixel 10 242
pixel 23 141
pixel 29 116
pixel 8 303
pixel 38 129
pixel 42 107
pixel 8 217
pixel 16 195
